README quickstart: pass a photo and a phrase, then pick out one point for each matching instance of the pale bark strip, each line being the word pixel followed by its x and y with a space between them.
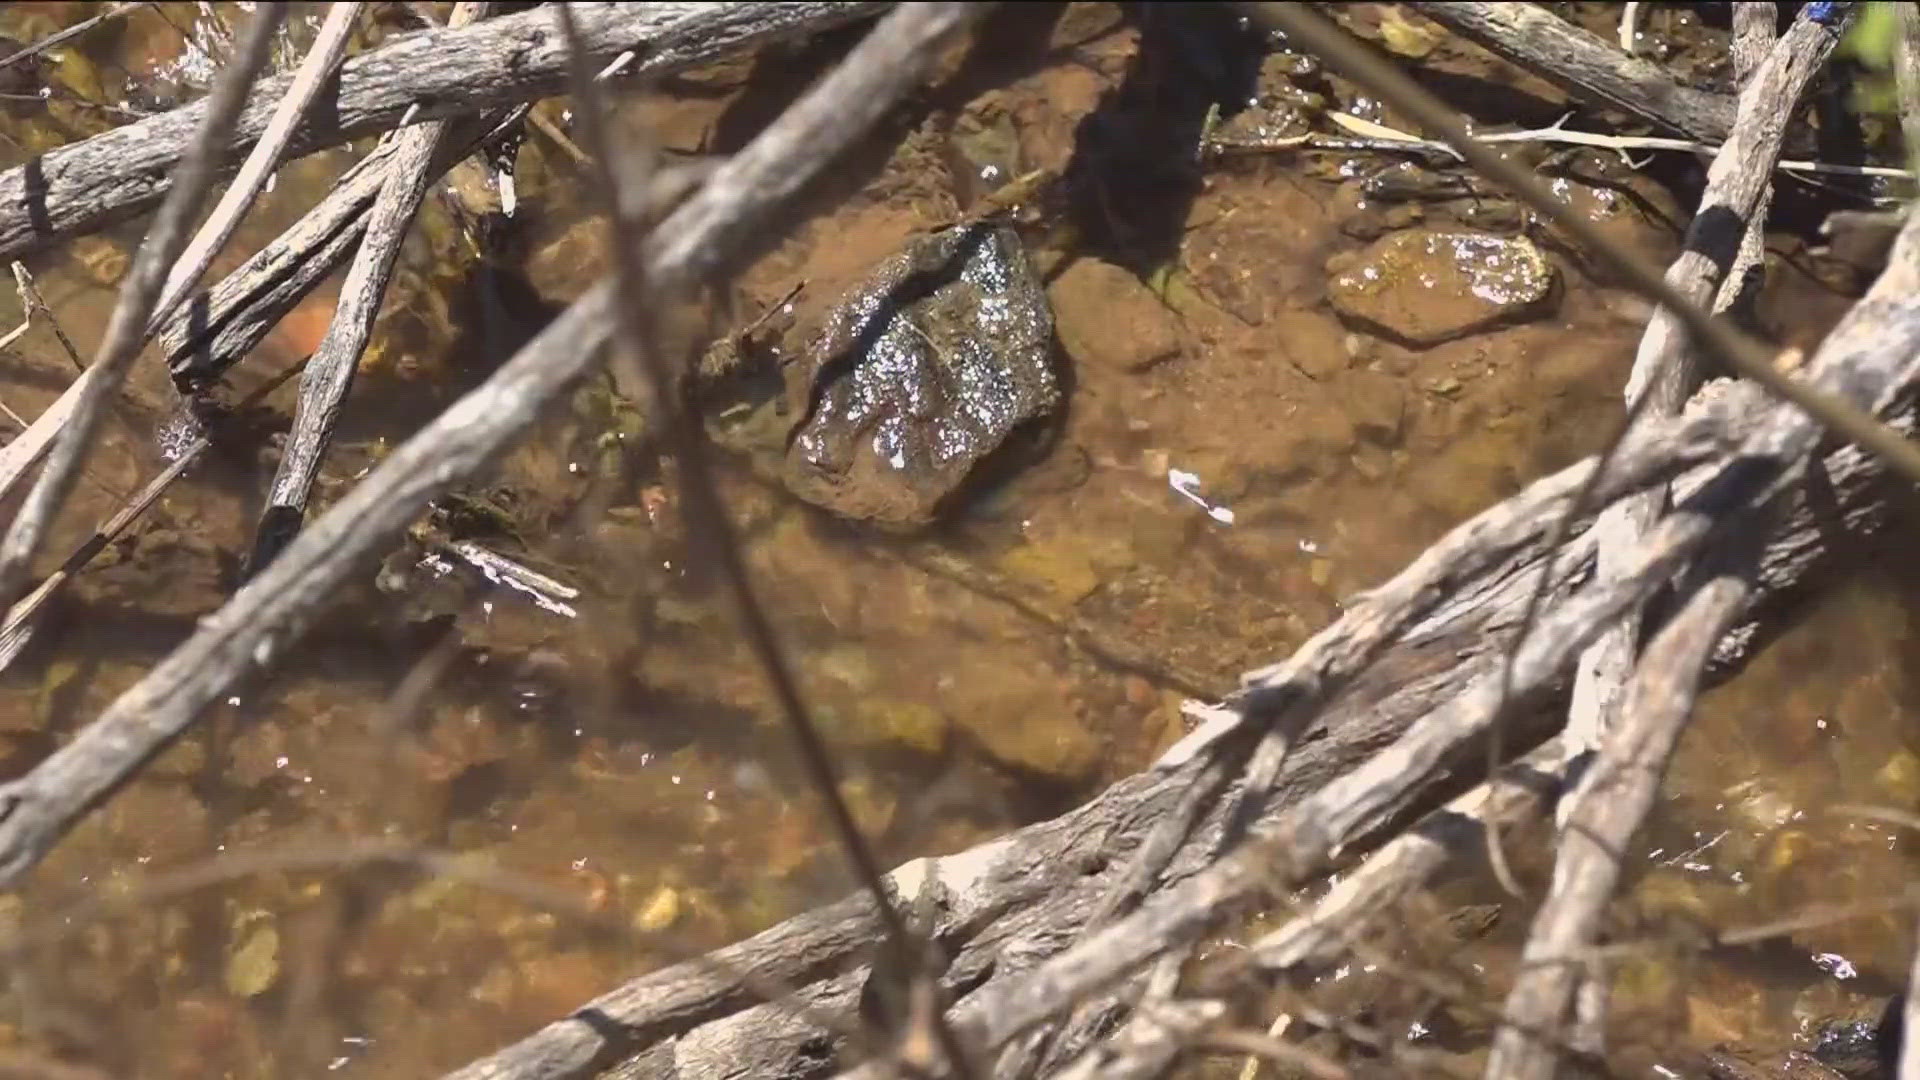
pixel 329 374
pixel 715 225
pixel 496 62
pixel 1614 796
pixel 1584 65
pixel 126 329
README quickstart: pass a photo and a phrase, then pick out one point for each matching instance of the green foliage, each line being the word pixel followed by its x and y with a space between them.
pixel 1871 38
pixel 1870 42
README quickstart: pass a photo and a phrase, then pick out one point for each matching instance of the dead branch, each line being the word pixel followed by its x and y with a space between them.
pixel 126 330
pixel 220 326
pixel 1612 799
pixel 1666 372
pixel 308 80
pixel 17 628
pixel 1407 862
pixel 1584 65
pixel 329 373
pixel 1729 345
pixel 442 73
pixel 636 352
pixel 1305 836
pixel 63 36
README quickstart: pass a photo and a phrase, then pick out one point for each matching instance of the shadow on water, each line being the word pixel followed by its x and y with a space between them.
pixel 1134 173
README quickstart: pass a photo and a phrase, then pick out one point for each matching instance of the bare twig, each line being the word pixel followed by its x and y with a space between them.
pixel 126 329
pixel 1409 860
pixel 494 63
pixel 1306 834
pixel 17 629
pixel 1277 695
pixel 313 74
pixel 1018 897
pixel 61 37
pixel 31 300
pixel 615 172
pixel 1373 135
pixel 1727 344
pixel 220 326
pixel 329 374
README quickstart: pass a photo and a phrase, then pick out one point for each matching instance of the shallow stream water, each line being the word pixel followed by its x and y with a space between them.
pixel 1233 454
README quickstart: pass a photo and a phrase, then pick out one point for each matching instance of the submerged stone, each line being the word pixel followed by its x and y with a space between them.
pixel 918 374
pixel 1424 286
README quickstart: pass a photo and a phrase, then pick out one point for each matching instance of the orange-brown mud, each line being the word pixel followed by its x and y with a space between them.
pixel 631 757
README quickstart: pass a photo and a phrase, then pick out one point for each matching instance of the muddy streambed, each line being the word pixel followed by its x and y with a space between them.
pixel 1274 377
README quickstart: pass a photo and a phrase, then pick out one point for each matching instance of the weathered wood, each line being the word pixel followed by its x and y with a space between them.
pixel 1727 229
pixel 329 372
pixel 218 327
pixel 445 72
pixel 1584 65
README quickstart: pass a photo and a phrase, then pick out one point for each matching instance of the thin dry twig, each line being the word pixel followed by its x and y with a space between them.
pixel 1373 135
pixel 1664 369
pixel 219 327
pixel 1308 833
pixel 126 329
pixel 1613 797
pixel 31 300
pixel 329 46
pixel 329 374
pixel 17 629
pixel 1727 344
pixel 61 37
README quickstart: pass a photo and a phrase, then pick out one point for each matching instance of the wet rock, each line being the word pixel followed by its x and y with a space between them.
pixel 661 910
pixel 1058 566
pixel 918 374
pixel 1422 287
pixel 1105 315
pixel 983 149
pixel 1025 721
pixel 253 964
pixel 1377 403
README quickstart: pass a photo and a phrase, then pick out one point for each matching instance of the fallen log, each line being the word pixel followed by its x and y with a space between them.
pixel 444 73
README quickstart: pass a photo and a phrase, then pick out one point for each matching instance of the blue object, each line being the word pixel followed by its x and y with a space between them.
pixel 1826 13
